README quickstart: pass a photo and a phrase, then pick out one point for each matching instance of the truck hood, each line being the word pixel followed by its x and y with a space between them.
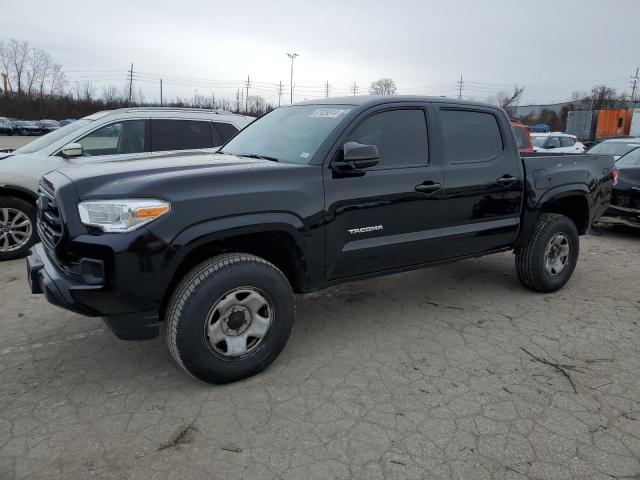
pixel 151 175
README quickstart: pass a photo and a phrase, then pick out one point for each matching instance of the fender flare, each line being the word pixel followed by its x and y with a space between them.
pixel 265 222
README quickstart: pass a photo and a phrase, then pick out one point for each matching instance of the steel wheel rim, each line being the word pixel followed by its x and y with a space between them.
pixel 239 321
pixel 556 255
pixel 15 229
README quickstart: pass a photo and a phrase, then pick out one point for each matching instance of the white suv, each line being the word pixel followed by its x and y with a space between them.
pixel 124 134
pixel 556 142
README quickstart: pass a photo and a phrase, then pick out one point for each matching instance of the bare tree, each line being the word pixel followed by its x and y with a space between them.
pixel 37 65
pixel 111 94
pixel 18 57
pixel 84 91
pixel 57 80
pixel 384 86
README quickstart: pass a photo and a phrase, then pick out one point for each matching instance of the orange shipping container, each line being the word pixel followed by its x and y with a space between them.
pixel 613 123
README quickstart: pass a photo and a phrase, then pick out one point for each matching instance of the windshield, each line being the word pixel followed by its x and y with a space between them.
pixel 288 134
pixel 613 148
pixel 538 141
pixel 631 159
pixel 54 136
pixel 521 136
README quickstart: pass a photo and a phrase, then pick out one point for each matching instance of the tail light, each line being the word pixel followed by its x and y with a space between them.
pixel 614 175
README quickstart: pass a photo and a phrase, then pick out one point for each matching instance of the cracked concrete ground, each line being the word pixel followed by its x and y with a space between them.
pixel 450 372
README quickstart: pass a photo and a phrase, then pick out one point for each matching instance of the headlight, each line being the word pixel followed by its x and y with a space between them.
pixel 121 215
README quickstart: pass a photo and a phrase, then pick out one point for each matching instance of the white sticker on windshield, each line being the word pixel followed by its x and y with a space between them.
pixel 327 113
pixel 304 154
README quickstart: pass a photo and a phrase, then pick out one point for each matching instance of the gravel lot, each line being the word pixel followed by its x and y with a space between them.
pixel 14 141
pixel 450 372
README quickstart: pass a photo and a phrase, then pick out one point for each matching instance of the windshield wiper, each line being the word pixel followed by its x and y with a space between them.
pixel 260 157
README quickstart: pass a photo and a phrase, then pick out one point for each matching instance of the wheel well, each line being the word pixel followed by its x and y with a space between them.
pixel 575 207
pixel 18 193
pixel 278 248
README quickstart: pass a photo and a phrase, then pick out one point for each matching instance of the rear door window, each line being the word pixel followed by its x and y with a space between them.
pixel 180 135
pixel 567 141
pixel 225 131
pixel 470 136
pixel 554 142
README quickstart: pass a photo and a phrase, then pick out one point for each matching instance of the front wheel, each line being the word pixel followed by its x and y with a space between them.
pixel 17 227
pixel 547 261
pixel 229 318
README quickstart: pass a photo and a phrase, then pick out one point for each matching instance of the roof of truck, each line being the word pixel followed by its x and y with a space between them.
pixel 371 100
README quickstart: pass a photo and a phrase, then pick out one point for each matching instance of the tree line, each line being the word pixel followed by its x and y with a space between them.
pixel 34 86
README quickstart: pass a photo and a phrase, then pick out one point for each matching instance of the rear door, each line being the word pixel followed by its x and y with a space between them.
pixel 483 180
pixel 386 216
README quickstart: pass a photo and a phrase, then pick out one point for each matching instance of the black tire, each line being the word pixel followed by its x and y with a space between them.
pixel 193 300
pixel 30 211
pixel 530 259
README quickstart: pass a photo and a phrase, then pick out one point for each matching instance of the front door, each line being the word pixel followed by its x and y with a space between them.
pixel 386 216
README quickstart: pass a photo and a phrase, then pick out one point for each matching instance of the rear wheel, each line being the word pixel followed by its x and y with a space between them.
pixel 17 227
pixel 547 262
pixel 229 318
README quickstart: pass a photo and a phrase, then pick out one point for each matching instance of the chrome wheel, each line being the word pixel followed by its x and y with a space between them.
pixel 556 255
pixel 15 229
pixel 238 321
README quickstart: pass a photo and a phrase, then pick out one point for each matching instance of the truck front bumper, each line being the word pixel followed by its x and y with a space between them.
pixel 76 295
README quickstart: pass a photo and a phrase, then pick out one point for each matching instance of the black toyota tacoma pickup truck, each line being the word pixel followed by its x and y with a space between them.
pixel 211 249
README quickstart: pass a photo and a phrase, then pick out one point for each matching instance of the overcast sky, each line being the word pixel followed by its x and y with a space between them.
pixel 551 47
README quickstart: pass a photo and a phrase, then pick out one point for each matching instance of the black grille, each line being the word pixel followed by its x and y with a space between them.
pixel 50 227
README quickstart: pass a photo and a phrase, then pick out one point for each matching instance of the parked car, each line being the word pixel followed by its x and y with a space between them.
pixel 625 199
pixel 47 126
pixel 310 195
pixel 25 127
pixel 124 134
pixel 540 128
pixel 66 121
pixel 5 126
pixel 523 137
pixel 615 146
pixel 556 142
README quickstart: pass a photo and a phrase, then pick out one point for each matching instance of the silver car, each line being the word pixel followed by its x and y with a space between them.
pixel 124 134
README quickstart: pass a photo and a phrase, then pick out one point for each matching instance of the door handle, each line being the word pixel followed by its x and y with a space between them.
pixel 428 187
pixel 507 180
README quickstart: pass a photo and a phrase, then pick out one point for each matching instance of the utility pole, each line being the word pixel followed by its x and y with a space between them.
pixel 354 89
pixel 195 97
pixel 326 90
pixel 160 92
pixel 242 98
pixel 246 99
pixel 292 56
pixel 460 85
pixel 238 101
pixel 279 92
pixel 634 84
pixel 130 83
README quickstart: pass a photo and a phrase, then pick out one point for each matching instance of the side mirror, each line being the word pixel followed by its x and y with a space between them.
pixel 71 150
pixel 357 156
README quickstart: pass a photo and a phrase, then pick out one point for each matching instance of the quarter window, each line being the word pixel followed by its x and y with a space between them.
pixel 116 138
pixel 226 131
pixel 554 142
pixel 400 135
pixel 567 141
pixel 470 136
